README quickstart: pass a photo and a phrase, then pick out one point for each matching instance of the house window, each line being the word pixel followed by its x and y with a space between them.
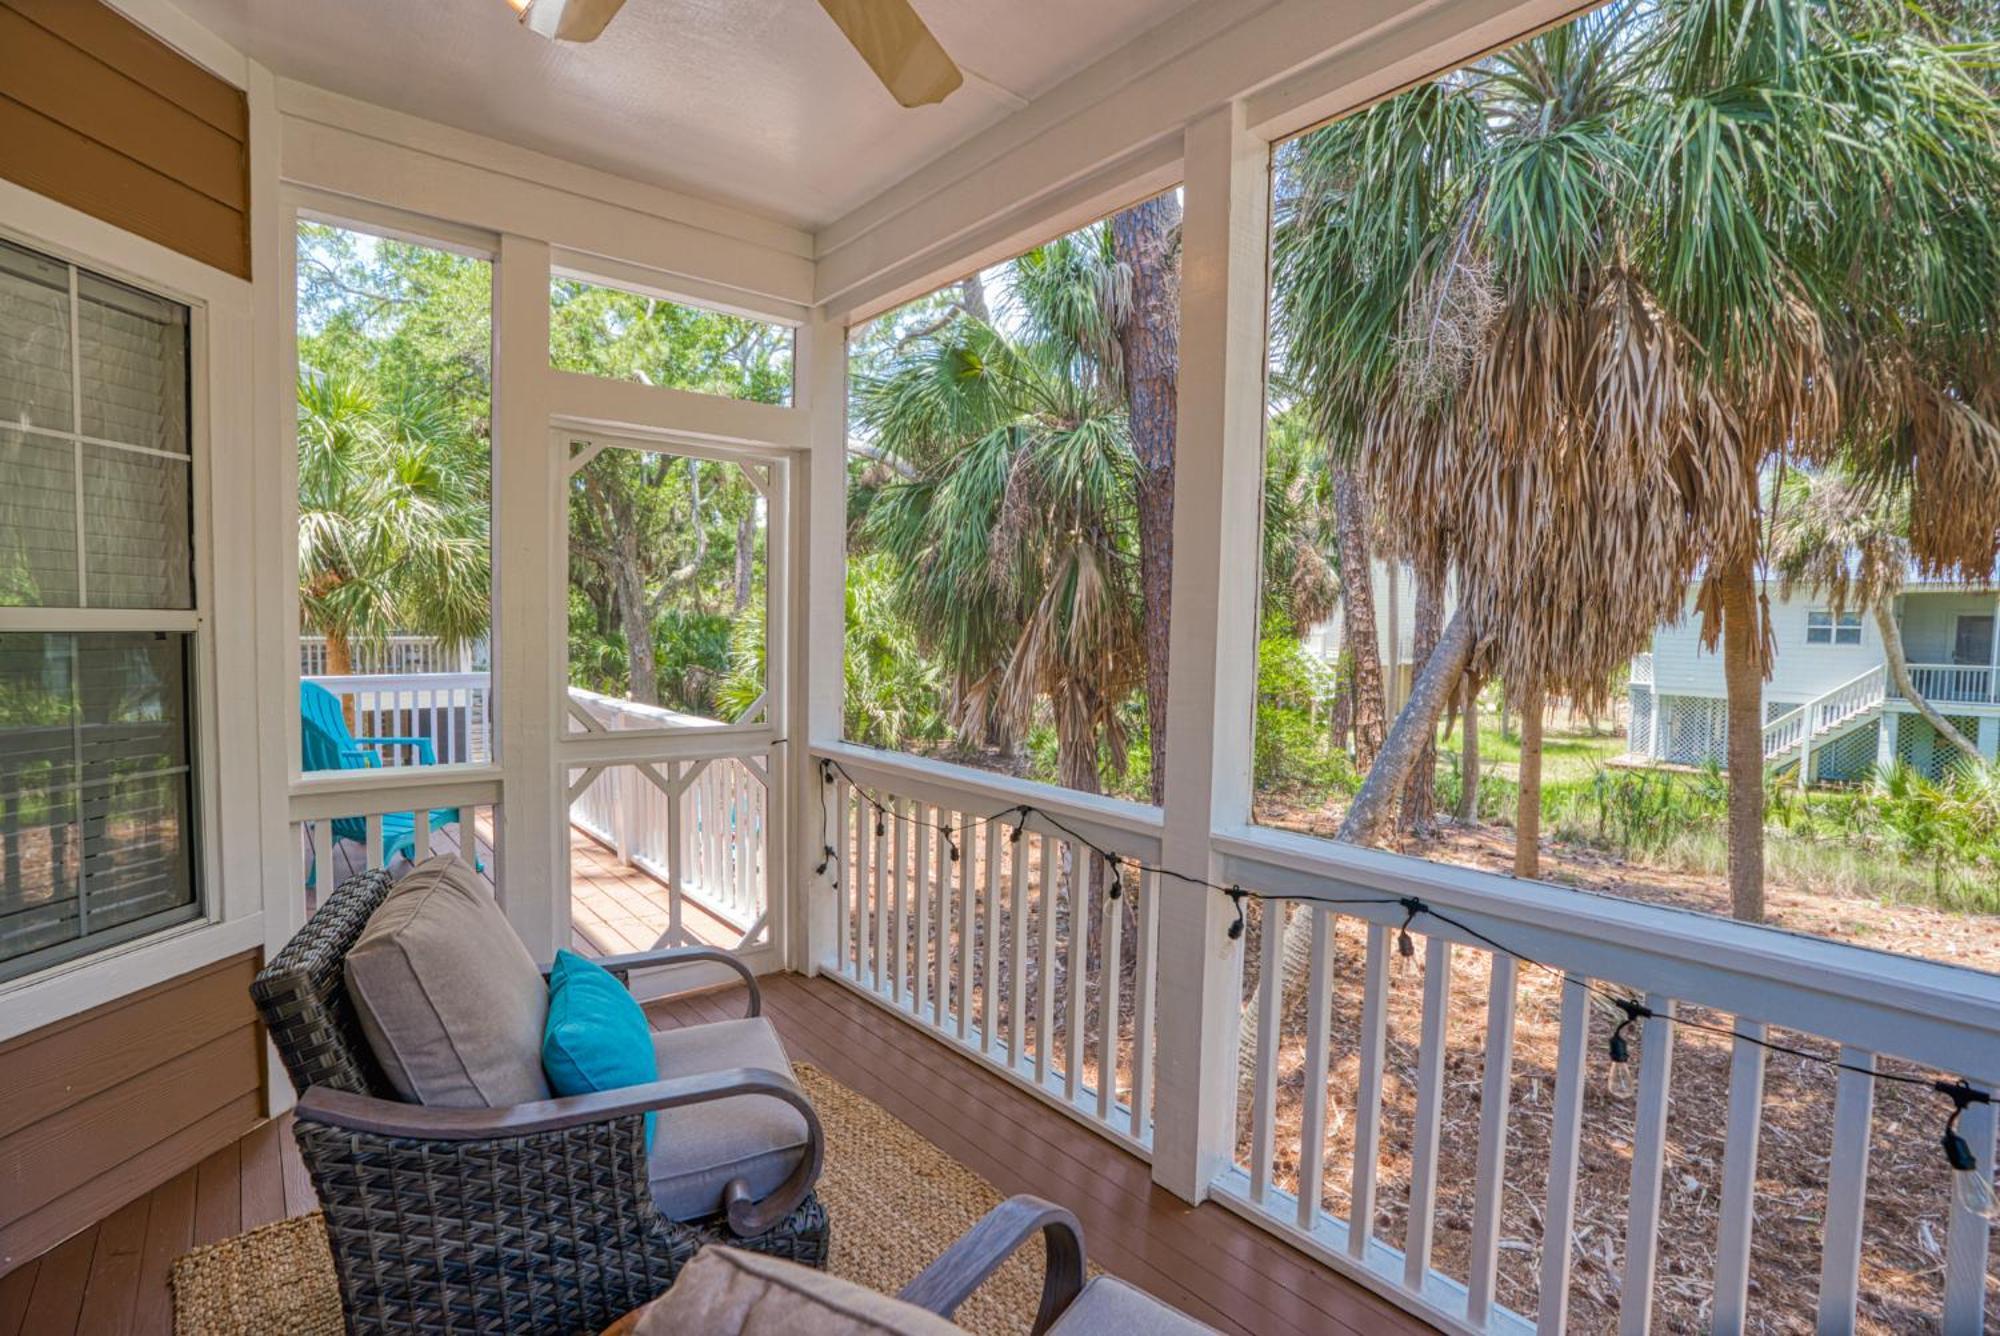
pixel 97 613
pixel 1822 628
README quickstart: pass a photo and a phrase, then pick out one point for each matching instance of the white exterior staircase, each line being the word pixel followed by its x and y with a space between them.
pixel 1791 738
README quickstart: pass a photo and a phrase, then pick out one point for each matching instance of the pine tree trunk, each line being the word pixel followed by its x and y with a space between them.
pixel 1743 680
pixel 1468 765
pixel 1142 239
pixel 1358 636
pixel 1899 673
pixel 1419 813
pixel 1528 804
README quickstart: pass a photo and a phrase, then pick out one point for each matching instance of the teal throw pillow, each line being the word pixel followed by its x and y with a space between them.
pixel 596 1037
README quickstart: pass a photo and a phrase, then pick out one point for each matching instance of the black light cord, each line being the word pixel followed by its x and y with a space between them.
pixel 1962 1094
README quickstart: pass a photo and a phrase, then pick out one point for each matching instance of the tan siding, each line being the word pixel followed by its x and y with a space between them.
pixel 104 1107
pixel 97 113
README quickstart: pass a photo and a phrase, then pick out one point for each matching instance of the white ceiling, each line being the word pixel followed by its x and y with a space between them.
pixel 756 102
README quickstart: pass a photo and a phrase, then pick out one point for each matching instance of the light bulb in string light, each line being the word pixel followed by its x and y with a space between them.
pixel 1621 1080
pixel 1406 948
pixel 1971 1182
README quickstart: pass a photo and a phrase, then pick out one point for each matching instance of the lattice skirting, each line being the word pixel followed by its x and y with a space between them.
pixel 1848 759
pixel 1639 726
pixel 1694 730
pixel 1919 746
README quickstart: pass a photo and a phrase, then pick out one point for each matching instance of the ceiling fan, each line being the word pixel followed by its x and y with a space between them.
pixel 888 34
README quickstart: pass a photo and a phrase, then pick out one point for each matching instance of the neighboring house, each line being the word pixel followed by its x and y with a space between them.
pixel 1829 703
pixel 1394 585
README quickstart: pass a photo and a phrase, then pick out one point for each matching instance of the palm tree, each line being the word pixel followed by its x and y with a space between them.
pixel 1011 522
pixel 392 519
pixel 1560 308
pixel 1847 538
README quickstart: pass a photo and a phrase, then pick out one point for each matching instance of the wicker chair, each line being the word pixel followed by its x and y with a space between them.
pixel 531 1218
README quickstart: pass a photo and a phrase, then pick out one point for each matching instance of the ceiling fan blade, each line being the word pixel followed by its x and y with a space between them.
pixel 898 47
pixel 570 20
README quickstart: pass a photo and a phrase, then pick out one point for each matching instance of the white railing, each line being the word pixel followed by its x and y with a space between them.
pixel 452 710
pixel 1642 669
pixel 339 834
pixel 393 654
pixel 699 827
pixel 1348 1125
pixel 1956 684
pixel 1017 951
pixel 1796 730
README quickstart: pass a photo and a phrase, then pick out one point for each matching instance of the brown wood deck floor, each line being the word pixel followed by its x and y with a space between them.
pixel 112 1278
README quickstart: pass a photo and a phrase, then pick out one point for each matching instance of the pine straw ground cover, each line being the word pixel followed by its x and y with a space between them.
pixel 1908 1188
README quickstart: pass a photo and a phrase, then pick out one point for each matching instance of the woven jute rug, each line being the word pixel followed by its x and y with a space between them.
pixel 895 1201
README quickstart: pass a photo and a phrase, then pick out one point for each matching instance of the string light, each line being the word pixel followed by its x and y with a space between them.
pixel 1619 1078
pixel 1972 1187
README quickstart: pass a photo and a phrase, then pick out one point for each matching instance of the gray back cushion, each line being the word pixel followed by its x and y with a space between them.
pixel 450 1000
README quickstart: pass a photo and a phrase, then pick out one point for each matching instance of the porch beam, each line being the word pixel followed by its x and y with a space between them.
pixel 1218 464
pixel 532 876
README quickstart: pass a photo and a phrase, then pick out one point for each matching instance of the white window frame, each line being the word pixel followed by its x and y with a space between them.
pixel 308 206
pixel 1823 628
pixel 225 826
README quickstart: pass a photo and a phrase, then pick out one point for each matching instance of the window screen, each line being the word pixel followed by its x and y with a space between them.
pixel 96 792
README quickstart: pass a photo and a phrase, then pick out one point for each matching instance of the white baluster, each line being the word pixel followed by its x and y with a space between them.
pixel 1968 1235
pixel 920 890
pixel 1017 862
pixel 1074 862
pixel 1846 1193
pixel 1263 1092
pixel 1565 1151
pixel 989 959
pixel 842 867
pixel 864 843
pixel 1430 1104
pixel 1739 1179
pixel 1048 861
pixel 1649 1162
pixel 1368 1092
pixel 1496 1084
pixel 1144 983
pixel 969 945
pixel 1110 991
pixel 1319 1008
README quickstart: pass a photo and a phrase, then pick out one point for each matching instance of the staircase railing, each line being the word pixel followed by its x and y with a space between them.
pixel 1795 730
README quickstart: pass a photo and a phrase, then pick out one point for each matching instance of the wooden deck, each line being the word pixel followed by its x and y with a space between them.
pixel 112 1278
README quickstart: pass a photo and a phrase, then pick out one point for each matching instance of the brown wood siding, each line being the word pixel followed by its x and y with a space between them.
pixel 106 1106
pixel 98 113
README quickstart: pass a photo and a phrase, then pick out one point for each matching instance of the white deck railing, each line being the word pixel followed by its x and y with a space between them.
pixel 1334 1139
pixel 698 827
pixel 453 710
pixel 1869 1007
pixel 1015 953
pixel 1956 684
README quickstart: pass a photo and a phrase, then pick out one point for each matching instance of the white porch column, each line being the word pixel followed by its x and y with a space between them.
pixel 528 599
pixel 820 579
pixel 1212 664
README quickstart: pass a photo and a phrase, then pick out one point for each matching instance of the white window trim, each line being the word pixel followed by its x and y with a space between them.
pixel 222 680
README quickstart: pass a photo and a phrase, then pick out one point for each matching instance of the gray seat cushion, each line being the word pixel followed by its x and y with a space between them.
pixel 450 1000
pixel 1110 1307
pixel 698 1149
pixel 749 1294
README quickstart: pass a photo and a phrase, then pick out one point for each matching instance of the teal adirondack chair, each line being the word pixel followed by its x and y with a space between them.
pixel 328 745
